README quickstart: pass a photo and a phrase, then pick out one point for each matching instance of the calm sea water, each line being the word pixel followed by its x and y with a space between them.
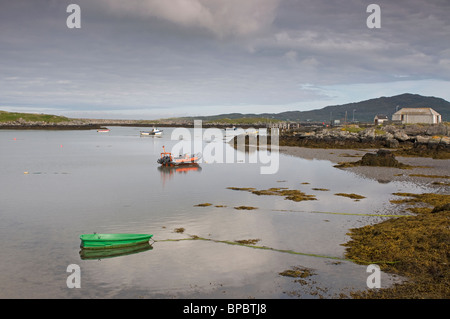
pixel 56 185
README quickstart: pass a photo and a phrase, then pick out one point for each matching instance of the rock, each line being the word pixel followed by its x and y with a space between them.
pixel 415 129
pixel 445 140
pixel 401 136
pixel 434 140
pixel 368 133
pixel 343 133
pixel 441 208
pixel 391 129
pixel 392 143
pixel 440 129
pixel 422 140
pixel 381 158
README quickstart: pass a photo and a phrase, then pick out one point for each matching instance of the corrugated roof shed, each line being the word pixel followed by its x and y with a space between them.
pixel 417 111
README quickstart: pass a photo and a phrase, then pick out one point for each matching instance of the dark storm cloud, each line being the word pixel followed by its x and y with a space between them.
pixel 208 56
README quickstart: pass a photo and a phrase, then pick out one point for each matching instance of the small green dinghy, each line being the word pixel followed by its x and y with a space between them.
pixel 102 241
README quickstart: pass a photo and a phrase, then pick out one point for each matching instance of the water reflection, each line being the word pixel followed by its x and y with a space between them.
pixel 89 254
pixel 167 172
pixel 112 185
pixel 179 169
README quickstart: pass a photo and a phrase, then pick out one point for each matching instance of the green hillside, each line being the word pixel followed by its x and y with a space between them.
pixel 31 117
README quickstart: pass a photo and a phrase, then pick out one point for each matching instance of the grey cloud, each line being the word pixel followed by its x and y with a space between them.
pixel 204 53
pixel 223 18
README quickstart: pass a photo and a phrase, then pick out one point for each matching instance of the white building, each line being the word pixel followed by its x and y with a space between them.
pixel 380 119
pixel 417 115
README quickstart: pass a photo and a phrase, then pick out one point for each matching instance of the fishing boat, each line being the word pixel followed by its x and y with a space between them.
pixel 154 131
pixel 102 241
pixel 167 159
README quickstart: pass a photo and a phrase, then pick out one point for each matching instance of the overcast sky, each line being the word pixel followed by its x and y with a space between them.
pixel 150 59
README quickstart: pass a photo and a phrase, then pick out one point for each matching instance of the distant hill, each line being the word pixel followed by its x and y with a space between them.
pixel 363 111
pixel 31 117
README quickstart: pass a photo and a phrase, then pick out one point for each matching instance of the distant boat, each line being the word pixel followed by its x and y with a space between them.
pixel 167 159
pixel 231 132
pixel 154 131
pixel 102 241
pixel 103 130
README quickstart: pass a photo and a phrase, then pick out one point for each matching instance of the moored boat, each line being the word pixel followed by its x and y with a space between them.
pixel 167 159
pixel 154 131
pixel 102 241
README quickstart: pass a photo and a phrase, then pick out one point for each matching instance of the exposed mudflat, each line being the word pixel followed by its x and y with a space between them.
pixel 431 171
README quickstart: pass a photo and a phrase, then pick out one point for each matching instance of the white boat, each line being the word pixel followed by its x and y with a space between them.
pixel 104 130
pixel 154 131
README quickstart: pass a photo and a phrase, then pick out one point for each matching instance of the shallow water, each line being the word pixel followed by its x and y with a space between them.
pixel 56 185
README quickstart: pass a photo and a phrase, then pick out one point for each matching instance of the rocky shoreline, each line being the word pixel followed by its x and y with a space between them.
pixel 51 126
pixel 422 140
pixel 21 124
pixel 416 245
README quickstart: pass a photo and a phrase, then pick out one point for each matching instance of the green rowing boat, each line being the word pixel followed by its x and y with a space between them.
pixel 102 241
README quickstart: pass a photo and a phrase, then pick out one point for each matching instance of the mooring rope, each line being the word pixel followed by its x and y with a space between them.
pixel 194 237
pixel 334 213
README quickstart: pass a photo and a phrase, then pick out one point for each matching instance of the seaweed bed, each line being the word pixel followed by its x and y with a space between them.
pixel 419 245
pixel 203 205
pixel 297 272
pixel 245 207
pixel 247 241
pixel 352 196
pixel 382 158
pixel 290 194
pixel 422 150
pixel 415 246
pixel 179 230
